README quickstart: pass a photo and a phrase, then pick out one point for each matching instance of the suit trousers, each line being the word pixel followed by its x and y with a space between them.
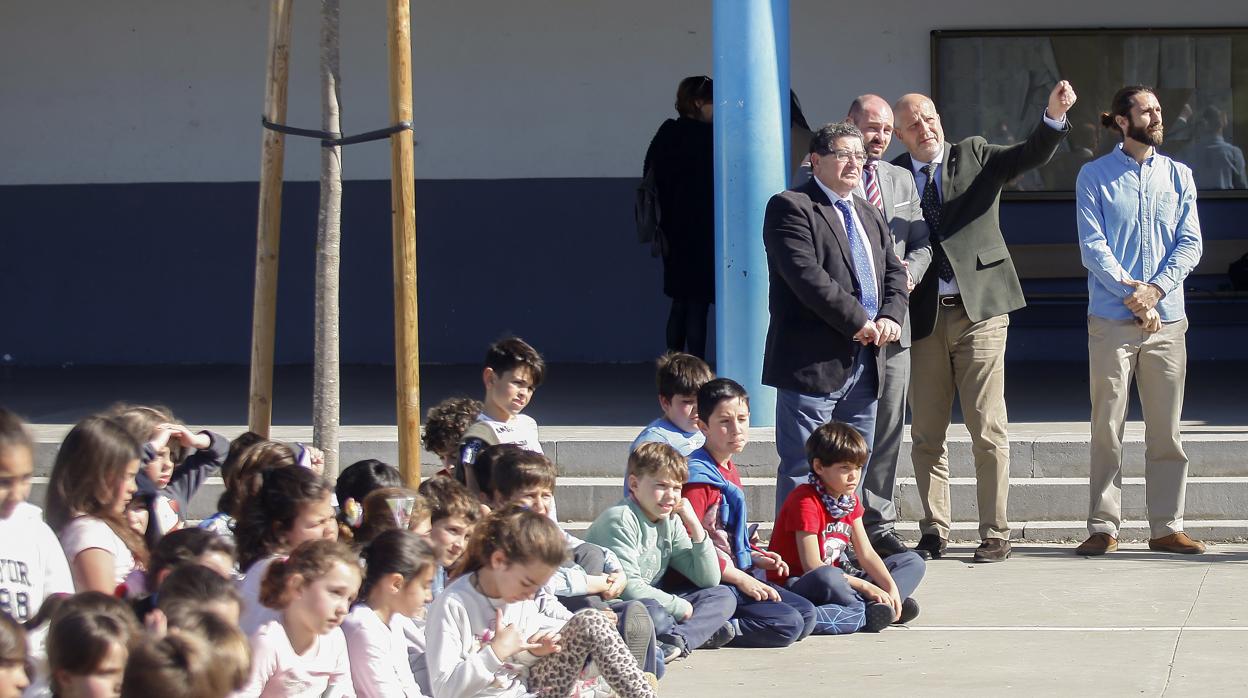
pixel 967 358
pixel 1118 350
pixel 879 482
pixel 799 414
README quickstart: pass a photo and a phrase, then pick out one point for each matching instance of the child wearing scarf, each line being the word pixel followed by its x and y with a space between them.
pixel 818 525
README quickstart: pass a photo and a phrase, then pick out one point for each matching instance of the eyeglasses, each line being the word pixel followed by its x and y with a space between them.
pixel 843 155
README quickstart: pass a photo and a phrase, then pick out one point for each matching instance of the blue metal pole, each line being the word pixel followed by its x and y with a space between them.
pixel 751 46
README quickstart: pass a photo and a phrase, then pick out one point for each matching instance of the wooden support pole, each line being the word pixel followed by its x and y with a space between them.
pixel 403 214
pixel 326 378
pixel 268 228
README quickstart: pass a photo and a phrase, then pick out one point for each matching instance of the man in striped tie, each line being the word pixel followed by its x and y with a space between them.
pixel 890 189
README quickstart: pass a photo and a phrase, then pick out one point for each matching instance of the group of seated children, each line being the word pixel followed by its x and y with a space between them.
pixel 469 586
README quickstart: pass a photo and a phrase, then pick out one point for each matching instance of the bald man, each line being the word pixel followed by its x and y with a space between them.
pixel 960 310
pixel 891 189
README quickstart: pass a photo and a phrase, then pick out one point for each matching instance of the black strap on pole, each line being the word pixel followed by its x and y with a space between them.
pixel 330 139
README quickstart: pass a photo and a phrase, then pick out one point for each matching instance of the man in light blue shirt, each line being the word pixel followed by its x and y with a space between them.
pixel 1139 238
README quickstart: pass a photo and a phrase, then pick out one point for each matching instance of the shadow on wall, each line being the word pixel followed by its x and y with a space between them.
pixel 163 273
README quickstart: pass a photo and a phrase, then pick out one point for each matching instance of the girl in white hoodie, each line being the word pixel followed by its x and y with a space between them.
pixel 487 636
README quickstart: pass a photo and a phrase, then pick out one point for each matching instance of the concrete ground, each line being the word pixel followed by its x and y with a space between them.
pixel 1132 623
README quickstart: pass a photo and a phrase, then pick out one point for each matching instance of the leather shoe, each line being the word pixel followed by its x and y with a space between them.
pixel 931 545
pixel 1177 543
pixel 889 544
pixel 992 550
pixel 1097 544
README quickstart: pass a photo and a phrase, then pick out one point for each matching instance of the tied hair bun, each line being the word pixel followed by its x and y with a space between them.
pixel 1107 120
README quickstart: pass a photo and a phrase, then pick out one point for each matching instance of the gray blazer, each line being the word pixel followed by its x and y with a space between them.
pixel 905 220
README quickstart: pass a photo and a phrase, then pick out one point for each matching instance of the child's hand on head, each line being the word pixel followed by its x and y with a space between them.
pixel 317 458
pixel 543 643
pixel 156 624
pixel 185 436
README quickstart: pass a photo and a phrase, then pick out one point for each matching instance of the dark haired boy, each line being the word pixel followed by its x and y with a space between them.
pixel 820 523
pixel 453 511
pixel 678 377
pixel 513 370
pixel 767 615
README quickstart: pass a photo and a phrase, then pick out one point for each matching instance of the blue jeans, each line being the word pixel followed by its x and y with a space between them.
pixel 772 623
pixel 711 609
pixel 840 609
pixel 799 414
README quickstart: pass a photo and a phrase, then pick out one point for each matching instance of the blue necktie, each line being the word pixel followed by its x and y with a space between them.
pixel 862 262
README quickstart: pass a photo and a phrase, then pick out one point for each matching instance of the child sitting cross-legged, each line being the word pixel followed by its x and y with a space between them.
pixel 593 577
pixel 818 525
pixel 767 615
pixel 646 534
pixel 487 636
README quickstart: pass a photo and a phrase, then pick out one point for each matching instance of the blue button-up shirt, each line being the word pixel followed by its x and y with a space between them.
pixel 1136 221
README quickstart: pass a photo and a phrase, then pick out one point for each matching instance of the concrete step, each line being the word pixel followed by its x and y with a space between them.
pixel 1074 531
pixel 1031 499
pixel 1058 449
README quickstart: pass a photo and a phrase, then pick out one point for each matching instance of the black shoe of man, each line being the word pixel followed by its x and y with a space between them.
pixel 888 544
pixel 931 546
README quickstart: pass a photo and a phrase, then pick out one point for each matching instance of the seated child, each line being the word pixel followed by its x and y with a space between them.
pixel 91 484
pixel 513 370
pixel 478 476
pixel 767 615
pixel 679 377
pixel 13 658
pixel 445 424
pixel 453 514
pixel 487 636
pixel 355 482
pixel 293 506
pixel 176 462
pixel 89 642
pixel 242 473
pixel 228 649
pixel 820 522
pixel 302 653
pixel 398 573
pixel 26 542
pixel 174 666
pixel 194 587
pixel 646 534
pixel 193 546
pixel 593 577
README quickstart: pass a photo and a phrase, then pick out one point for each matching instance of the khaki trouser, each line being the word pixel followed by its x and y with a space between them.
pixel 1118 349
pixel 969 358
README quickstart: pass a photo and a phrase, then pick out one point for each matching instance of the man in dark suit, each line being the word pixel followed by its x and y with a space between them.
pixel 838 293
pixel 891 189
pixel 960 311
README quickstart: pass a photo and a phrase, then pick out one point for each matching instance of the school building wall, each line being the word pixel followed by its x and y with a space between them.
pixel 130 154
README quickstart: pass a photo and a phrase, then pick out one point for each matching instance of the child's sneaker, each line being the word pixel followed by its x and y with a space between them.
pixel 879 616
pixel 637 630
pixel 671 652
pixel 726 633
pixel 909 611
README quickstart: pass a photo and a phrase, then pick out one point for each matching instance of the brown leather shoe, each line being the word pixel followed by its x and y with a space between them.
pixel 992 550
pixel 1177 543
pixel 1097 544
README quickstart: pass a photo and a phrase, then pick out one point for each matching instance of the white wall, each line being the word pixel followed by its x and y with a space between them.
pixel 153 90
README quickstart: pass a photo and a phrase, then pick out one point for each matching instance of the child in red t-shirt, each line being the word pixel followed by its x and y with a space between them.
pixel 816 528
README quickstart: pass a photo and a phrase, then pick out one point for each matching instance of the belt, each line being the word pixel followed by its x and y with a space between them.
pixel 950 301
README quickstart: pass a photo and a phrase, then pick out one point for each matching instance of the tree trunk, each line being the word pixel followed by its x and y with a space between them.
pixel 326 379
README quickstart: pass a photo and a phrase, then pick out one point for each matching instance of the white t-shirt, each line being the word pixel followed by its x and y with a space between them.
pixel 32 565
pixel 459 631
pixel 520 430
pixel 378 652
pixel 278 672
pixel 255 614
pixel 87 532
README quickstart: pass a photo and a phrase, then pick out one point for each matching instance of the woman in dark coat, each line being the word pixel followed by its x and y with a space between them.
pixel 682 155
